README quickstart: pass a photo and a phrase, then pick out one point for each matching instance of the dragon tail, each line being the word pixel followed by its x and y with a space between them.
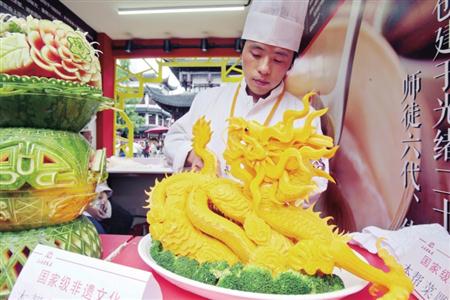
pixel 394 283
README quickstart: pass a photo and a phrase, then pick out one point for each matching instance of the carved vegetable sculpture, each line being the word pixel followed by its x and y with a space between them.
pixel 45 177
pixel 49 89
pixel 45 48
pixel 255 221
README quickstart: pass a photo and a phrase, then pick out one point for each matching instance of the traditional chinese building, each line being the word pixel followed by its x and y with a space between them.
pixel 176 105
pixel 153 114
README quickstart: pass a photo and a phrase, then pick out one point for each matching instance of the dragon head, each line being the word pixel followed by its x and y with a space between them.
pixel 244 140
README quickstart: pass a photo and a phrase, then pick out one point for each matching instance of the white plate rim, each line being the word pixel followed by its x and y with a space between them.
pixel 144 252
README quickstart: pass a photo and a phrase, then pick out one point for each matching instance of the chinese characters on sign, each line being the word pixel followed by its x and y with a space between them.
pixel 70 285
pixel 428 268
pixel 51 273
pixel 411 123
pixel 73 287
pixel 441 141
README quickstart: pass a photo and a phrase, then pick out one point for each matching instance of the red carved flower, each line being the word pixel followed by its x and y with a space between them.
pixel 47 49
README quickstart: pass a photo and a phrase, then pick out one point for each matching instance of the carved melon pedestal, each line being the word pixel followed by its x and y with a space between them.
pixel 78 236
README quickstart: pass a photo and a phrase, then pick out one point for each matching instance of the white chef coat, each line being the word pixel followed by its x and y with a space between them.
pixel 215 105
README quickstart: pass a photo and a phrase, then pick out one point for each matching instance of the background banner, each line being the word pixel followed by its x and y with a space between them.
pixel 47 9
pixel 392 168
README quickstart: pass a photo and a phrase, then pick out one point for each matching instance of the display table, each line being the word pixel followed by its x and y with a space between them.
pixel 129 257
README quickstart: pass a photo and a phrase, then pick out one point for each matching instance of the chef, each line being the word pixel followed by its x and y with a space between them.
pixel 271 35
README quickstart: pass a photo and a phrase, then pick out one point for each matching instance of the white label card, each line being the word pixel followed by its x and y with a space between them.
pixel 428 266
pixel 52 273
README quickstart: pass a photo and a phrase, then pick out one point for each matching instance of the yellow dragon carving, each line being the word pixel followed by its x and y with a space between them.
pixel 255 221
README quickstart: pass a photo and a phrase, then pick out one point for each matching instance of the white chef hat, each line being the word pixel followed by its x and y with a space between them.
pixel 278 23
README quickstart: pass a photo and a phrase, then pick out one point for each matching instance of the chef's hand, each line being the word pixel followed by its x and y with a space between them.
pixel 194 162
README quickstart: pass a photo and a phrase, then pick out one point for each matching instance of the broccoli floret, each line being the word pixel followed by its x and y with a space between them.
pixel 334 282
pixel 245 278
pixel 166 259
pixel 326 283
pixel 163 258
pixel 185 266
pixel 210 272
pixel 237 268
pixel 292 283
pixel 204 274
pixel 231 279
pixel 219 268
pixel 155 249
pixel 256 279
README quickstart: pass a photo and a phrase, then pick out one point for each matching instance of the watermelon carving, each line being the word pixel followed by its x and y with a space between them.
pixel 32 209
pixel 49 89
pixel 47 103
pixel 77 236
pixel 43 159
pixel 44 177
pixel 46 48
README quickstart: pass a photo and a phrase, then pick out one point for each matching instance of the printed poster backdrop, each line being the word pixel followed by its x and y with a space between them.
pixel 392 168
pixel 47 9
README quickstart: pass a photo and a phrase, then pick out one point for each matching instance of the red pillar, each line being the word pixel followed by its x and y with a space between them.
pixel 105 119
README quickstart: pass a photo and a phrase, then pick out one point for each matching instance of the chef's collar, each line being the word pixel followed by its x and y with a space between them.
pixel 272 95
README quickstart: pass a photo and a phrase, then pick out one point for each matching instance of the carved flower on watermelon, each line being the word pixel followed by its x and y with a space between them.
pixel 46 48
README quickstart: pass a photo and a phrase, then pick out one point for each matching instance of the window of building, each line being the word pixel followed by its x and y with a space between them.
pixel 152 119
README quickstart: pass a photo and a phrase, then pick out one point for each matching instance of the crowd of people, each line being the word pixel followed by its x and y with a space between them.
pixel 146 148
pixel 151 147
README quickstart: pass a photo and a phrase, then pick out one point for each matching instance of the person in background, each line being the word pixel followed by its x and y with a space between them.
pixel 106 216
pixel 160 144
pixel 146 150
pixel 272 35
pixel 100 209
pixel 153 147
pixel 121 153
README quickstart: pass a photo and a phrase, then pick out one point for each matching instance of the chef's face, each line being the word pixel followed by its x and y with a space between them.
pixel 264 66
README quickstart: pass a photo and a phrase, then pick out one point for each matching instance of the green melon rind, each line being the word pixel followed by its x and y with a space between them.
pixel 26 210
pixel 41 84
pixel 47 103
pixel 78 236
pixel 71 147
